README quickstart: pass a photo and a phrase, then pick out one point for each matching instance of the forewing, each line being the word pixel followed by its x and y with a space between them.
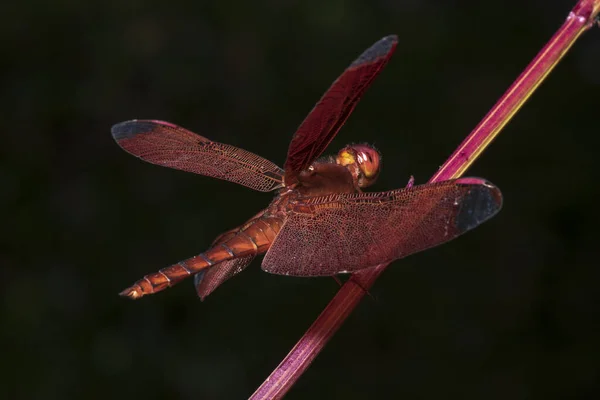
pixel 332 110
pixel 169 145
pixel 349 232
pixel 207 281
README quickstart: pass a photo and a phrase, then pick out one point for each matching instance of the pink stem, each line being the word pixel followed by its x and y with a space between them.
pixel 308 347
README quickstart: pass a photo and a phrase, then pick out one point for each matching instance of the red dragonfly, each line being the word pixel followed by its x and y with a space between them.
pixel 320 222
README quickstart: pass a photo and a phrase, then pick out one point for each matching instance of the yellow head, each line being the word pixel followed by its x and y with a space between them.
pixel 363 162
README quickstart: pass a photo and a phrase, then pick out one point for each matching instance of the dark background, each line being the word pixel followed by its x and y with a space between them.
pixel 508 311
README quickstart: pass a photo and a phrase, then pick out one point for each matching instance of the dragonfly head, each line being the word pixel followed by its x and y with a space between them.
pixel 363 161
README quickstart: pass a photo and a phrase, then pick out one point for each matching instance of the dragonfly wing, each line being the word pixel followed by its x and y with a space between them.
pixel 169 145
pixel 329 114
pixel 349 232
pixel 208 280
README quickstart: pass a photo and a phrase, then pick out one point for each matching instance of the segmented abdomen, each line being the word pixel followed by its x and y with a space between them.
pixel 253 238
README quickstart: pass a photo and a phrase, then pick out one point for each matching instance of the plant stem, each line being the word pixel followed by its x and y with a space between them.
pixel 581 18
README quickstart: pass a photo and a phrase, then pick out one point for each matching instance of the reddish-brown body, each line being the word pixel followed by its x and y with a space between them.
pixel 256 235
pixel 251 239
pixel 319 223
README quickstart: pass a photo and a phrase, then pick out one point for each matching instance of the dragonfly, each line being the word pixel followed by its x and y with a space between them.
pixel 320 222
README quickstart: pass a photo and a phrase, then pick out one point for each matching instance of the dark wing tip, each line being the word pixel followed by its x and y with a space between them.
pixel 127 129
pixel 132 128
pixel 381 48
pixel 197 281
pixel 481 203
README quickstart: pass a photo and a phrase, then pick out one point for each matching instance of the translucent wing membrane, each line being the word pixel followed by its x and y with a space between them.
pixel 349 232
pixel 169 145
pixel 208 280
pixel 329 114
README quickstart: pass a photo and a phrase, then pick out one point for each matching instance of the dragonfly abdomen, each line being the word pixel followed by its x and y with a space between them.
pixel 252 239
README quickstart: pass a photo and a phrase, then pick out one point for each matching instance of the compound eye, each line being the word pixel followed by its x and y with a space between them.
pixel 368 160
